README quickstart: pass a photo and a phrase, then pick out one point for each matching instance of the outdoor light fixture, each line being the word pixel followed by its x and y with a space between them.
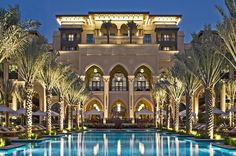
pixel 142 70
pixel 95 70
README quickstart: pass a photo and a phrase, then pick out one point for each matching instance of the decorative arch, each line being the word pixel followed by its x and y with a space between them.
pixel 146 102
pixel 94 78
pixel 113 30
pixel 119 109
pixel 148 67
pixel 89 104
pixel 93 65
pixel 124 30
pixel 119 78
pixel 143 78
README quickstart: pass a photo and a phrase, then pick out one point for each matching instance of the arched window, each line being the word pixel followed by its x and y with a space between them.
pixel 141 83
pixel 119 82
pixel 96 82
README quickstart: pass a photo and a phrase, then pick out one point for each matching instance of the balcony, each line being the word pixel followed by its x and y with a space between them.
pixel 119 40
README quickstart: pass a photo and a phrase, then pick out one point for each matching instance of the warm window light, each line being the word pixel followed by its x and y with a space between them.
pixel 141 107
pixel 118 107
pixel 71 37
pixel 96 107
pixel 142 70
pixel 95 70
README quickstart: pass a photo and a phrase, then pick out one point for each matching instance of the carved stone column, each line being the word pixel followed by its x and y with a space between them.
pixel 222 97
pixel 106 80
pixel 131 97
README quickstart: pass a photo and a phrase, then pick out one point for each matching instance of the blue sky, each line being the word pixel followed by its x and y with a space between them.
pixel 196 13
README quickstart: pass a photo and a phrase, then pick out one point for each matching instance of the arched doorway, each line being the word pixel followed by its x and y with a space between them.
pixel 94 79
pixel 93 110
pixel 119 78
pixel 143 79
pixel 144 104
pixel 118 110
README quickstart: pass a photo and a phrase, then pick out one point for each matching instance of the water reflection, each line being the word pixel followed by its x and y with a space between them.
pixel 119 144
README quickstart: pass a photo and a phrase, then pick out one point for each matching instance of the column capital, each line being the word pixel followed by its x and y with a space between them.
pixel 131 77
pixel 106 78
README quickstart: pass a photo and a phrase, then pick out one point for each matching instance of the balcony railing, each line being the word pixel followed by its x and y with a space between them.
pixel 119 40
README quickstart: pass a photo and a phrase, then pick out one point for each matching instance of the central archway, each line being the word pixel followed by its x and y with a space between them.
pixel 119 110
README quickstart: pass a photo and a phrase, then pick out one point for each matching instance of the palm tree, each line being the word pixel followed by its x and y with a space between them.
pixel 50 74
pixel 159 95
pixel 207 65
pixel 13 32
pixel 231 90
pixel 131 25
pixel 30 61
pixel 62 88
pixel 7 88
pixel 107 25
pixel 227 31
pixel 191 84
pixel 84 97
pixel 73 97
pixel 175 88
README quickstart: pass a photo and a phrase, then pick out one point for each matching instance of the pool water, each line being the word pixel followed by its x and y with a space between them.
pixel 118 143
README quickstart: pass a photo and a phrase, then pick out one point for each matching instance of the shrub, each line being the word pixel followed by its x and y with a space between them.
pixel 230 141
pixel 52 132
pixel 217 136
pixel 4 142
pixel 32 136
pixel 201 136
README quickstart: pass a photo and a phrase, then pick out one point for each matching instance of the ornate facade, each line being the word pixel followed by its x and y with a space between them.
pixel 119 71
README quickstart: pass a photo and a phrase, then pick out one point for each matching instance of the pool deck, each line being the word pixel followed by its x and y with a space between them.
pixel 12 146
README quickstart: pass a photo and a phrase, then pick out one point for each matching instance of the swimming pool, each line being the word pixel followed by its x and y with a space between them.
pixel 121 143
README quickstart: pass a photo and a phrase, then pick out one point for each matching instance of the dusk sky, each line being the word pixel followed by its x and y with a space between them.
pixel 196 13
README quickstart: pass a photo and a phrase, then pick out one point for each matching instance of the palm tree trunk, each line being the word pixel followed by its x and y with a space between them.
pixel 77 117
pixel 29 104
pixel 49 111
pixel 189 108
pixel 167 111
pixel 81 110
pixel 176 120
pixel 7 114
pixel 161 119
pixel 209 111
pixel 61 114
pixel 69 117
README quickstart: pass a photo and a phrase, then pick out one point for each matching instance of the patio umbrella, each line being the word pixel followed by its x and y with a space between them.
pixel 183 113
pixel 93 112
pixel 5 109
pixel 54 114
pixel 39 113
pixel 21 111
pixel 218 111
pixel 144 112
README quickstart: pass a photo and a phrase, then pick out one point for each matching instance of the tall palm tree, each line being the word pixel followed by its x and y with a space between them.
pixel 7 88
pixel 62 88
pixel 207 65
pixel 50 74
pixel 83 98
pixel 107 25
pixel 30 61
pixel 191 84
pixel 160 95
pixel 231 91
pixel 73 97
pixel 131 25
pixel 227 31
pixel 175 88
pixel 13 32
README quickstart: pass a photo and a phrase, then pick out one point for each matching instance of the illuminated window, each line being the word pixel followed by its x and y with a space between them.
pixel 71 37
pixel 166 48
pixel 96 81
pixel 119 82
pixel 141 82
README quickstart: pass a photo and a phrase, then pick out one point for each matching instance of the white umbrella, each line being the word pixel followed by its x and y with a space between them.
pixel 39 113
pixel 144 112
pixel 218 111
pixel 54 114
pixel 93 112
pixel 5 109
pixel 21 111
